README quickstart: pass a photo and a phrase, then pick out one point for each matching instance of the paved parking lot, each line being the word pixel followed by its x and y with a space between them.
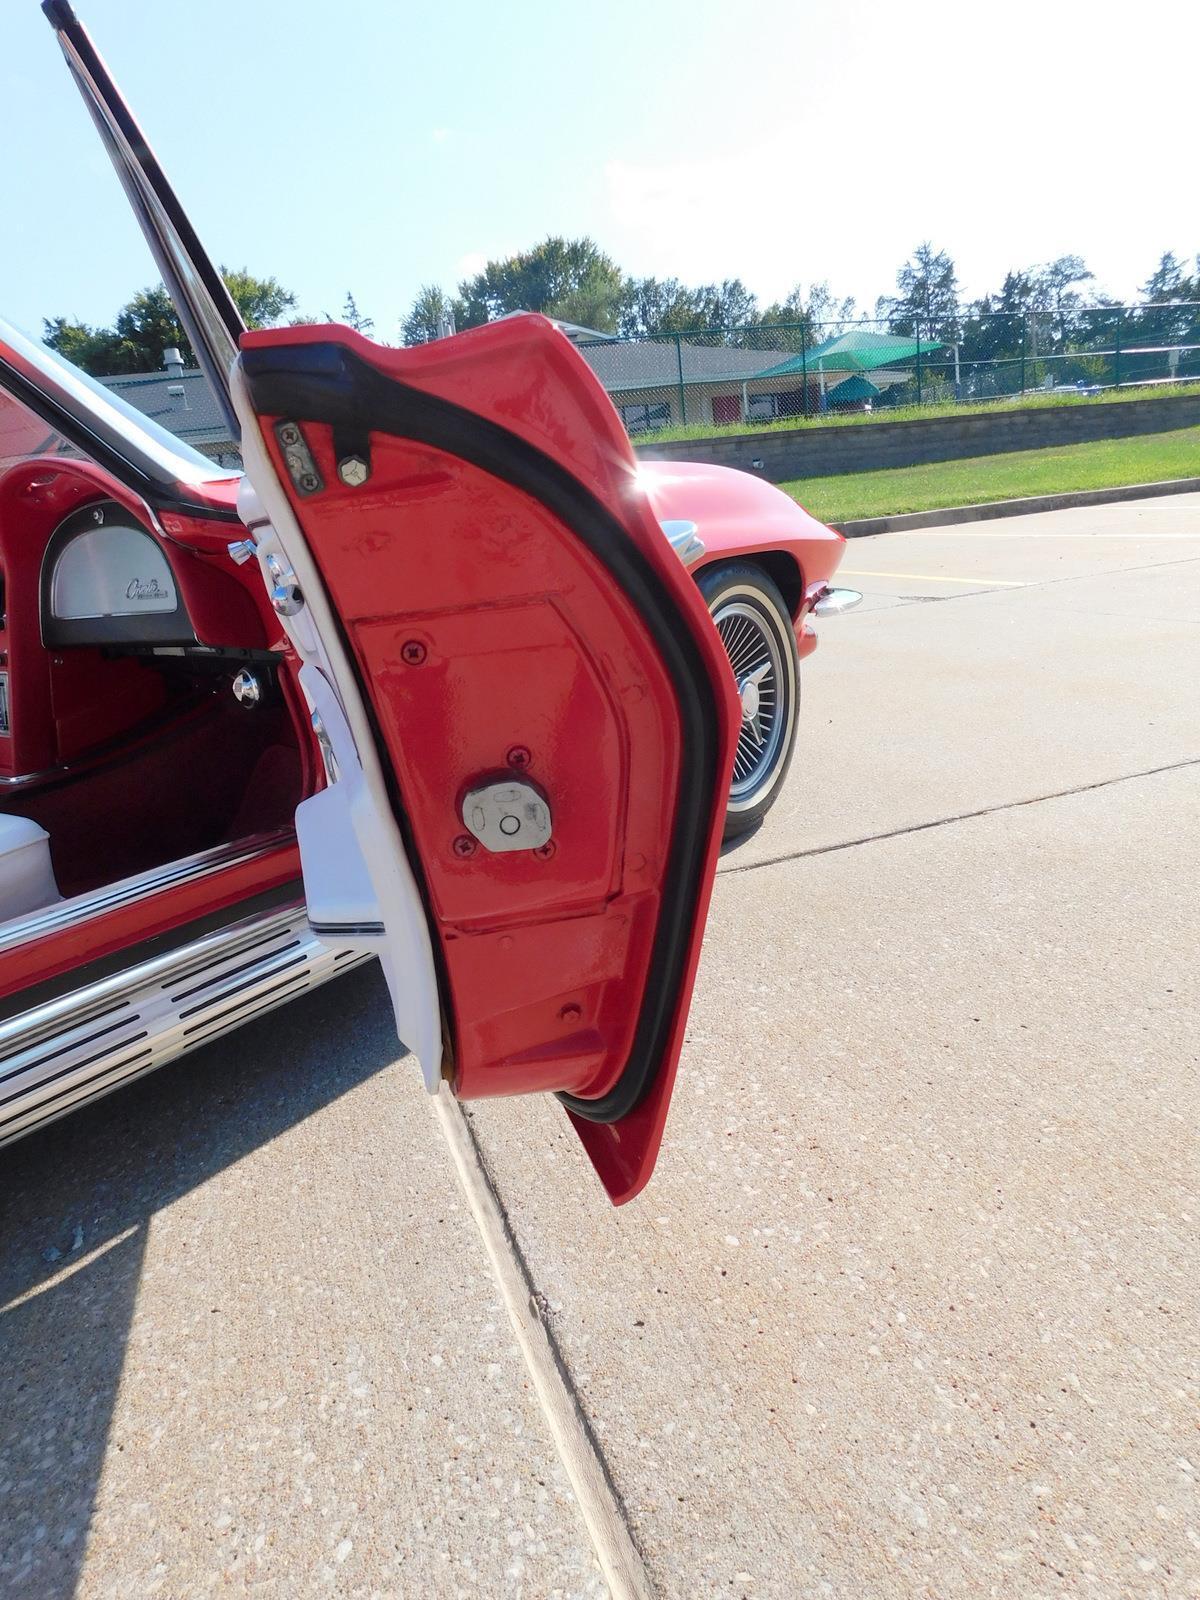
pixel 910 1307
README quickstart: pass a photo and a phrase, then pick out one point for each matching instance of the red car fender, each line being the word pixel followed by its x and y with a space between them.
pixel 739 517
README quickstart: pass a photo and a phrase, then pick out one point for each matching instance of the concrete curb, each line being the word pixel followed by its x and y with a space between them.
pixel 862 526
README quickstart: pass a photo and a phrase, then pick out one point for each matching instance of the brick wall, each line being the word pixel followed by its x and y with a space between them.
pixel 816 452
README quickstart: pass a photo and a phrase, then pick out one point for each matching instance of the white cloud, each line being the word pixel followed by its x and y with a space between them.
pixel 712 219
pixel 467 266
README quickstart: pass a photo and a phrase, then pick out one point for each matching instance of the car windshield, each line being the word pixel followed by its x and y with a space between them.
pixel 47 406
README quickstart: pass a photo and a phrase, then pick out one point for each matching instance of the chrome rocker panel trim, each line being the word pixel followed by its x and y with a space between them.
pixel 82 907
pixel 57 1056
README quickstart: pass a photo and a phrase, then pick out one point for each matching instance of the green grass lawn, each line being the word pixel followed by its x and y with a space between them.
pixel 1033 400
pixel 1104 464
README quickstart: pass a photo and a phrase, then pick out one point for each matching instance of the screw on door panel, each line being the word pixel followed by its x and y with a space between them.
pixel 545 851
pixel 518 757
pixel 413 652
pixel 464 846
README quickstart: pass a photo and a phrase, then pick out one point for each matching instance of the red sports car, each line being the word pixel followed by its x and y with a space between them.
pixel 427 683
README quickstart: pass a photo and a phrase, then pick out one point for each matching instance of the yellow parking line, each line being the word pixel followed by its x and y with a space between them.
pixel 997 533
pixel 932 577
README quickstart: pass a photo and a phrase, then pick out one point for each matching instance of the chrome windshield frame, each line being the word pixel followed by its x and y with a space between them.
pixel 210 318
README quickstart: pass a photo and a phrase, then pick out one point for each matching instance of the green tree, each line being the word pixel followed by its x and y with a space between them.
pixel 807 318
pixel 432 312
pixel 1171 282
pixel 568 278
pixel 665 305
pixel 727 307
pixel 1171 317
pixel 262 301
pixel 1054 283
pixel 573 280
pixel 1057 301
pixel 352 316
pixel 95 350
pixel 147 325
pixel 657 305
pixel 928 295
pixel 993 327
pixel 1166 282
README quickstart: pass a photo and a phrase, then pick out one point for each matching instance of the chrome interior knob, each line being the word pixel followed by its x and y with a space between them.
pixel 286 598
pixel 247 690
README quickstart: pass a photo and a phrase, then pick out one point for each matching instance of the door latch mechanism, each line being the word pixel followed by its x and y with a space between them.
pixel 507 816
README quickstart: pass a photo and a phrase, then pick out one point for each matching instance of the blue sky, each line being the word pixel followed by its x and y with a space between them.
pixel 353 144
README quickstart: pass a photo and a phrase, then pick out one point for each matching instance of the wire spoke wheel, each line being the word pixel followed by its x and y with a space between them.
pixel 754 626
pixel 756 659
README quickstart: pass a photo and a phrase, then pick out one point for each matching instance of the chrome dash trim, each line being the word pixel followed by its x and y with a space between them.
pixel 72 1049
pixel 189 869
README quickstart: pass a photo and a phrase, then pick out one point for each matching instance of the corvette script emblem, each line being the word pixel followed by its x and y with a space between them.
pixel 146 589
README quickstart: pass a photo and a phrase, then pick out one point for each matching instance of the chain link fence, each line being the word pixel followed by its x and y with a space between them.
pixel 708 379
pixel 733 377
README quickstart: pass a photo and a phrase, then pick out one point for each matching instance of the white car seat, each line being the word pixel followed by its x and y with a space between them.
pixel 26 874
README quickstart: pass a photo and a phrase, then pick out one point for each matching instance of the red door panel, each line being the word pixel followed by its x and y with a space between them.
pixel 514 611
pixel 509 606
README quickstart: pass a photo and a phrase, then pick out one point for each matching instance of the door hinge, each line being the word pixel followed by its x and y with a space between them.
pixel 298 458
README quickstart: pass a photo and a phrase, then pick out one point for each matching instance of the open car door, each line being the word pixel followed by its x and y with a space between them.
pixel 527 716
pixel 522 695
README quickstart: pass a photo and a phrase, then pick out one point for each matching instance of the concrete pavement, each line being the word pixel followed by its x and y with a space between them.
pixel 910 1306
pixel 276 1362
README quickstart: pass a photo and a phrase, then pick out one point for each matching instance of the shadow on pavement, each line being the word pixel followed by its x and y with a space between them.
pixel 76 1202
pixel 731 846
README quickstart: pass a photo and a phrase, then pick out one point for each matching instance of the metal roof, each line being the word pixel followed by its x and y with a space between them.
pixel 655 363
pixel 192 414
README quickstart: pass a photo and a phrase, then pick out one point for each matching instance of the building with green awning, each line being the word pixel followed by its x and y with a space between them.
pixel 659 382
pixel 856 351
pixel 834 362
pixel 852 391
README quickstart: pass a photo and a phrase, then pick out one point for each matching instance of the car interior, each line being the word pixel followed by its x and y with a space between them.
pixel 143 713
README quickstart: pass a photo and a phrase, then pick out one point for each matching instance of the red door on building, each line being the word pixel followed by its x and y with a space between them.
pixel 727 408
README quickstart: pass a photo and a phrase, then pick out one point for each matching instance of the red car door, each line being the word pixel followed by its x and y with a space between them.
pixel 542 686
pixel 527 717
